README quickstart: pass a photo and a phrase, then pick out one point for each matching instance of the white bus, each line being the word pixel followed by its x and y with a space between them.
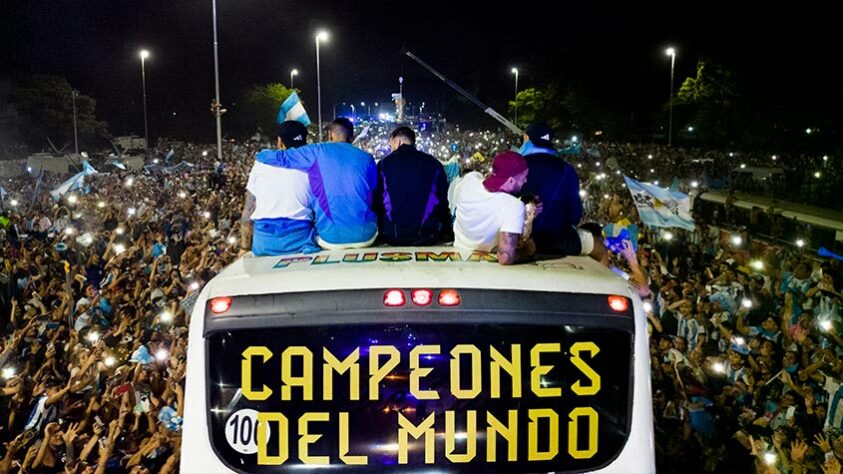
pixel 417 360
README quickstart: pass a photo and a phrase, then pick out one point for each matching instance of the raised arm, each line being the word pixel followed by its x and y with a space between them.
pixel 301 158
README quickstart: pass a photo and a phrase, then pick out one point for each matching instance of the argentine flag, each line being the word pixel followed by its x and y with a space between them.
pixel 292 109
pixel 660 207
pixel 77 181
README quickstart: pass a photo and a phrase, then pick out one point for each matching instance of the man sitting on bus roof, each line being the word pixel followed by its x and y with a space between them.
pixel 342 179
pixel 488 215
pixel 557 186
pixel 278 203
pixel 412 195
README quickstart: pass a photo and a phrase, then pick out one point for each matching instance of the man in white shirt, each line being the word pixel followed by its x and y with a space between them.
pixel 277 218
pixel 488 215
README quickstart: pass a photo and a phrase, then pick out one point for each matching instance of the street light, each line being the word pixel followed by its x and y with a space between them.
pixel 73 94
pixel 143 55
pixel 294 72
pixel 321 36
pixel 216 107
pixel 672 53
pixel 515 71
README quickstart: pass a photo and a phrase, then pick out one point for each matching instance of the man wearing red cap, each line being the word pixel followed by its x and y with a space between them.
pixel 488 215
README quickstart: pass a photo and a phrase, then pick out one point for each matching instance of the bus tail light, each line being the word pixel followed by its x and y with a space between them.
pixel 618 303
pixel 394 298
pixel 422 297
pixel 220 305
pixel 449 298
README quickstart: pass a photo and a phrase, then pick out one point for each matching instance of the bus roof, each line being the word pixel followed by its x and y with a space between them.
pixel 410 267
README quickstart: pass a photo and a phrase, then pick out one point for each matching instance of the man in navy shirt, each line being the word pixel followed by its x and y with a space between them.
pixel 557 186
pixel 411 199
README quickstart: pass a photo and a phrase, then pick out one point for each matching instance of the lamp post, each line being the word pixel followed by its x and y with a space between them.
pixel 321 36
pixel 515 71
pixel 217 106
pixel 672 53
pixel 294 72
pixel 143 55
pixel 73 94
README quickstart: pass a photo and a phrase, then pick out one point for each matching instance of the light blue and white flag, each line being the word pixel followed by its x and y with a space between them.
pixel 660 207
pixel 292 109
pixel 77 181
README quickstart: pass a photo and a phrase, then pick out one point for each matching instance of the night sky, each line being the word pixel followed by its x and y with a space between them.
pixel 787 55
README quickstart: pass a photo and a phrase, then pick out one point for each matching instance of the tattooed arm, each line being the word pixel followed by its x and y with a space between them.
pixel 246 222
pixel 512 250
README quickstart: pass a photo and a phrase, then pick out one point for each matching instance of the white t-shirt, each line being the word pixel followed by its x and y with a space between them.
pixel 481 214
pixel 279 193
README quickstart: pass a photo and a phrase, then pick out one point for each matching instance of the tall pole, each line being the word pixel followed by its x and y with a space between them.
pixel 75 133
pixel 672 53
pixel 515 71
pixel 218 105
pixel 319 37
pixel 144 55
pixel 294 72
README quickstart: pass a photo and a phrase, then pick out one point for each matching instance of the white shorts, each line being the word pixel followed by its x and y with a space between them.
pixel 586 242
pixel 352 245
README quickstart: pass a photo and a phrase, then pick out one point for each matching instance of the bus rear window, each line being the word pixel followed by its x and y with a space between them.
pixel 400 397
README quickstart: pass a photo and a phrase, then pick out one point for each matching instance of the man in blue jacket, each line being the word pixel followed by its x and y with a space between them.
pixel 412 196
pixel 557 186
pixel 342 179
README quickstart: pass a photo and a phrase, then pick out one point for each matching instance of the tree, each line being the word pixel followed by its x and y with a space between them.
pixel 562 108
pixel 541 105
pixel 710 102
pixel 258 107
pixel 44 106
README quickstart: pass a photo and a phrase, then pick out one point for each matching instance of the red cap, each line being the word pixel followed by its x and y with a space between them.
pixel 504 166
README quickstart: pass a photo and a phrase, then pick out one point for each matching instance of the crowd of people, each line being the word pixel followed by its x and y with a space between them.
pixel 96 299
pixel 98 288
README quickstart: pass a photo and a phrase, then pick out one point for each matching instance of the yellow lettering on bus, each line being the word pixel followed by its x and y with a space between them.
pixel 552 436
pixel 349 364
pixel 417 372
pixel 305 380
pixel 470 437
pixel 396 256
pixel 476 371
pixel 344 457
pixel 407 429
pixel 355 257
pixel 306 439
pixel 591 450
pixel 540 370
pixel 508 432
pixel 511 366
pixel 246 371
pixel 285 262
pixel 377 372
pixel 593 376
pixel 438 257
pixel 478 256
pixel 263 426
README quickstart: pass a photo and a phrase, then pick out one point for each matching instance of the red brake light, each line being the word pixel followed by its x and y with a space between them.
pixel 422 297
pixel 449 298
pixel 220 305
pixel 394 298
pixel 618 303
